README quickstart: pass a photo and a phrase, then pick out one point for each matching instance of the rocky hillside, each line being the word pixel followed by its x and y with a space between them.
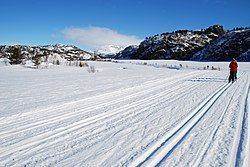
pixel 55 54
pixel 180 45
pixel 211 44
pixel 235 44
pixel 127 53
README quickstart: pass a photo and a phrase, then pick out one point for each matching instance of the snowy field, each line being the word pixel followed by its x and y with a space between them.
pixel 130 113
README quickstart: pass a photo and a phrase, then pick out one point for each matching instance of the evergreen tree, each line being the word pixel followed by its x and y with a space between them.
pixel 16 56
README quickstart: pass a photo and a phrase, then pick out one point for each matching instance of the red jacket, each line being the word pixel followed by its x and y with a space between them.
pixel 233 66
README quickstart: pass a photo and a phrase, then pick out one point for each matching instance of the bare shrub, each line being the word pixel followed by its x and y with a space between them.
pixel 81 64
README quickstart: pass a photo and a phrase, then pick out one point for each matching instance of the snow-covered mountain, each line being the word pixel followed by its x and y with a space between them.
pixel 55 54
pixel 109 50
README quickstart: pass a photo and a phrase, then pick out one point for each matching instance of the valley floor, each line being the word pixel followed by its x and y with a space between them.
pixel 124 115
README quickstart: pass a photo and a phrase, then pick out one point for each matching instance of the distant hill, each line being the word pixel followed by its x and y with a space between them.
pixel 210 44
pixel 55 54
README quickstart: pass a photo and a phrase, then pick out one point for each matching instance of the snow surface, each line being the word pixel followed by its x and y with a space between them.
pixel 128 113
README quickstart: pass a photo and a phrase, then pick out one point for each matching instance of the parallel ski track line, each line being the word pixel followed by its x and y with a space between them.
pixel 235 156
pixel 207 142
pixel 84 109
pixel 246 161
pixel 172 138
pixel 118 93
pixel 124 115
pixel 78 125
pixel 23 128
pixel 104 97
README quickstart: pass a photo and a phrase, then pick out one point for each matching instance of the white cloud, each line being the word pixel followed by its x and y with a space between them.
pixel 96 37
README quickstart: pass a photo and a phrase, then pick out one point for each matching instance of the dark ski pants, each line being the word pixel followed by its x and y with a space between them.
pixel 232 76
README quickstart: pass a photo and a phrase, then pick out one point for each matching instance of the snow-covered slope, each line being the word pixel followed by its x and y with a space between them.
pixel 126 114
pixel 232 44
pixel 4 62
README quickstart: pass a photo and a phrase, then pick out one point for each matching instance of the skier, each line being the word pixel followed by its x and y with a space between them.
pixel 233 70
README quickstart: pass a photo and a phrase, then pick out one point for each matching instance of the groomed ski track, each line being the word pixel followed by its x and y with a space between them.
pixel 165 146
pixel 181 120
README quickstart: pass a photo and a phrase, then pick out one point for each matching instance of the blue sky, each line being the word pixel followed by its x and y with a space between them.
pixel 89 24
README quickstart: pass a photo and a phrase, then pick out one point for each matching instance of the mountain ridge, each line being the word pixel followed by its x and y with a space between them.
pixel 185 44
